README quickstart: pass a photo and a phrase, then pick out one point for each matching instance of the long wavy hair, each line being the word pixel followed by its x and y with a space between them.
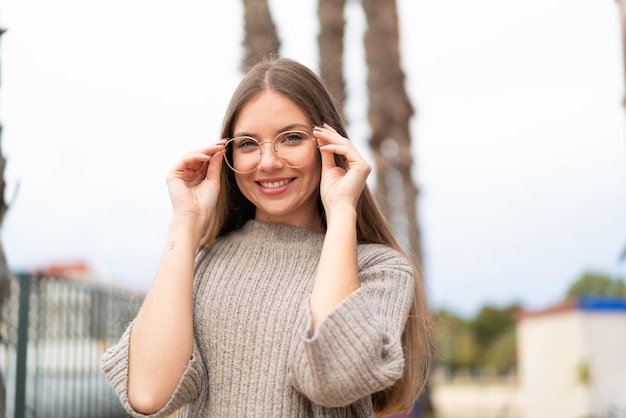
pixel 307 90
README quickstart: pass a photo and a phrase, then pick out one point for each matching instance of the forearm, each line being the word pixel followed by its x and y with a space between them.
pixel 161 338
pixel 337 272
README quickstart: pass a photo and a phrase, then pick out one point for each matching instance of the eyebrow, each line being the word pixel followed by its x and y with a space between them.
pixel 291 127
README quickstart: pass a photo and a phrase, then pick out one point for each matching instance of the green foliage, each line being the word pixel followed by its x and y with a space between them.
pixel 455 340
pixel 583 373
pixel 501 355
pixel 487 340
pixel 491 322
pixel 594 283
pixel 495 325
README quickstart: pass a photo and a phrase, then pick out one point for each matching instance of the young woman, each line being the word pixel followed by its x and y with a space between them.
pixel 281 291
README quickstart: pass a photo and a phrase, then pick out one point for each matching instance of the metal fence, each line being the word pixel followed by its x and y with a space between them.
pixel 53 333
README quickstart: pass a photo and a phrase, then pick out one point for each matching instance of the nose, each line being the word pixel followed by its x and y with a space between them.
pixel 269 159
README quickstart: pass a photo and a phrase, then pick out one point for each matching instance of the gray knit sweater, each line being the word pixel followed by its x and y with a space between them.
pixel 254 355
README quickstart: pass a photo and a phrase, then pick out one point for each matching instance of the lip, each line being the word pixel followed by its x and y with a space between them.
pixel 274 185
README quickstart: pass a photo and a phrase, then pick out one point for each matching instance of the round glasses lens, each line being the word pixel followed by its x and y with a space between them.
pixel 243 154
pixel 295 148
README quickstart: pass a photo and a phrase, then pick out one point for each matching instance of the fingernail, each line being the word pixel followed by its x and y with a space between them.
pixel 317 128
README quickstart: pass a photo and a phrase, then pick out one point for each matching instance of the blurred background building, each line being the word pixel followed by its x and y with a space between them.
pixel 572 359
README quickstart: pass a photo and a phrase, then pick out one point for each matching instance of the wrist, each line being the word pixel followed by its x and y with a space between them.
pixel 341 215
pixel 188 227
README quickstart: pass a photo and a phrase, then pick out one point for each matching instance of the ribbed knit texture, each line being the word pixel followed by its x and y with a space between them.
pixel 254 355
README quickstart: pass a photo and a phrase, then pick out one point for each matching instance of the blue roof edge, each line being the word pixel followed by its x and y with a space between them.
pixel 601 303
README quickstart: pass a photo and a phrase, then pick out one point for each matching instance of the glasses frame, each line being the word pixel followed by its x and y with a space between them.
pixel 309 137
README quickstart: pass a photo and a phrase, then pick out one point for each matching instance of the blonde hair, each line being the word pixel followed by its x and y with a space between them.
pixel 306 89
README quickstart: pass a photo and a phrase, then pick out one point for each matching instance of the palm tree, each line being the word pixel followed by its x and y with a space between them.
pixel 389 114
pixel 330 41
pixel 260 38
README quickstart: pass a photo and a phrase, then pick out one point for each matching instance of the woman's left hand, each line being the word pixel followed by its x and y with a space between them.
pixel 340 186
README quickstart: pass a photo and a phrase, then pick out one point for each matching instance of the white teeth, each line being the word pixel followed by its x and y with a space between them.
pixel 273 184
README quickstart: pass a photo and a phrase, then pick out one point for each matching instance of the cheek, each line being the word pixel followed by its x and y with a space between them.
pixel 314 177
pixel 242 182
pixel 316 167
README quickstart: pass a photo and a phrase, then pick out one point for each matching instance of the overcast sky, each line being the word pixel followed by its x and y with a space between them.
pixel 520 139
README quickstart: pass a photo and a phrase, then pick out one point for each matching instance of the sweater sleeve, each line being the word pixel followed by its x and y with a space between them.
pixel 356 350
pixel 114 363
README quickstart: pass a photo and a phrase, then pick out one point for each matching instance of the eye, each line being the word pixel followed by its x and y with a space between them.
pixel 293 137
pixel 245 143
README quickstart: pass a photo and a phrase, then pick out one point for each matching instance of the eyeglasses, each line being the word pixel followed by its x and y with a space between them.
pixel 294 148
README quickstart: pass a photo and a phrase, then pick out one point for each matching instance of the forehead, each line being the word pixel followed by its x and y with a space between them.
pixel 269 112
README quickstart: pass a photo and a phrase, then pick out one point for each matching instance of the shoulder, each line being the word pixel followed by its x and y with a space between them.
pixel 383 266
pixel 382 256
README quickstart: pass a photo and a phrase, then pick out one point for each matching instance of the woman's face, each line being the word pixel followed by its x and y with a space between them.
pixel 280 193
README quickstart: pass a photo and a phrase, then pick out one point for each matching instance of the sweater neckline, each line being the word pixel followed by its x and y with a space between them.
pixel 268 231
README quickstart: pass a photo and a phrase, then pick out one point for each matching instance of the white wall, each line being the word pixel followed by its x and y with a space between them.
pixel 476 400
pixel 550 349
pixel 605 336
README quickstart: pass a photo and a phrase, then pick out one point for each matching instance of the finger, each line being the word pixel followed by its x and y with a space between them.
pixel 214 167
pixel 206 152
pixel 347 151
pixel 193 161
pixel 198 155
pixel 212 148
pixel 331 141
pixel 203 154
pixel 328 158
pixel 328 127
pixel 328 133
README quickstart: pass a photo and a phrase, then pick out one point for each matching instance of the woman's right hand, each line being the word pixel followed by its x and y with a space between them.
pixel 194 183
pixel 161 338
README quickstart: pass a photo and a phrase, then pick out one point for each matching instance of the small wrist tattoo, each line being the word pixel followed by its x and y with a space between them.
pixel 172 245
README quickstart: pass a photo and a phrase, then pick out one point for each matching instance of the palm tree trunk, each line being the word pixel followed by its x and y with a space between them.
pixel 389 114
pixel 261 38
pixel 330 42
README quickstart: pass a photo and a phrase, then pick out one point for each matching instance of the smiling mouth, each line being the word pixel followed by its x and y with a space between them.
pixel 274 184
